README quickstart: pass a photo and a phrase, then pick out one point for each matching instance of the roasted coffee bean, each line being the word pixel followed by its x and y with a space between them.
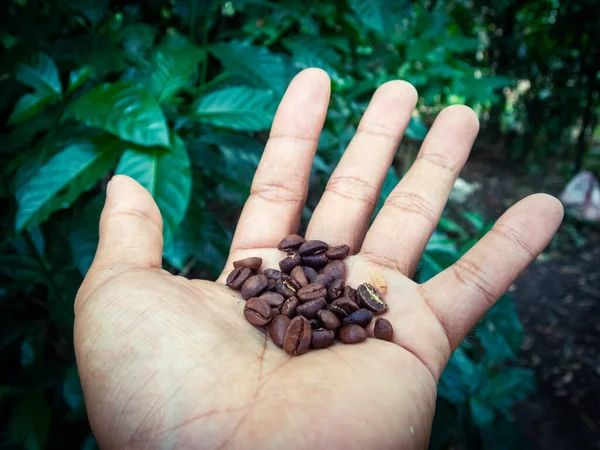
pixel 315 323
pixel 311 291
pixel 273 299
pixel 324 279
pixel 285 288
pixel 298 274
pixel 273 274
pixel 289 262
pixel 383 329
pixel 336 269
pixel 254 286
pixel 297 337
pixel 315 261
pixel 350 292
pixel 277 328
pixel 322 338
pixel 370 298
pixel 352 334
pixel 337 252
pixel 289 307
pixel 336 290
pixel 238 277
pixel 330 320
pixel 274 311
pixel 257 312
pixel 362 318
pixel 313 248
pixel 291 242
pixel 311 308
pixel 271 285
pixel 253 263
pixel 292 282
pixel 310 273
pixel 342 307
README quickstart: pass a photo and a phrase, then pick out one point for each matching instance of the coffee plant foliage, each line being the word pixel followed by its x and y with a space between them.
pixel 180 96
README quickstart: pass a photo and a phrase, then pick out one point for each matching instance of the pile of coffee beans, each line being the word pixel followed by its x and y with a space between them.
pixel 307 304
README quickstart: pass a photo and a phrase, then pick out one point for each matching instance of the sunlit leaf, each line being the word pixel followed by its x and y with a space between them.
pixel 371 13
pixel 41 74
pixel 77 77
pixel 29 105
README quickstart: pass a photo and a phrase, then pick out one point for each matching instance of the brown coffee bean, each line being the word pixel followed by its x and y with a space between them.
pixel 238 277
pixel 289 307
pixel 274 311
pixel 253 263
pixel 370 298
pixel 273 299
pixel 257 312
pixel 315 323
pixel 291 242
pixel 324 279
pixel 330 320
pixel 313 248
pixel 285 288
pixel 289 262
pixel 277 328
pixel 254 286
pixel 362 318
pixel 322 338
pixel 310 273
pixel 350 292
pixel 271 285
pixel 352 334
pixel 296 340
pixel 298 274
pixel 315 261
pixel 383 329
pixel 336 269
pixel 292 282
pixel 273 274
pixel 311 291
pixel 311 308
pixel 336 290
pixel 337 252
pixel 342 307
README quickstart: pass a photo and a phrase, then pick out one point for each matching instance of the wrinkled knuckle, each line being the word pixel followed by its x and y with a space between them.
pixel 378 129
pixel 277 191
pixel 469 274
pixel 380 261
pixel 352 187
pixel 516 237
pixel 441 161
pixel 138 215
pixel 413 203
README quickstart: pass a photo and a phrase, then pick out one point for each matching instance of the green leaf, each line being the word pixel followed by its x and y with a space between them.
pixel 166 175
pixel 126 110
pixel 30 422
pixel 61 180
pixel 77 77
pixel 27 353
pixel 481 413
pixel 237 108
pixel 171 70
pixel 83 235
pixel 253 64
pixel 371 13
pixel 30 105
pixel 93 10
pixel 416 129
pixel 41 74
pixel 72 393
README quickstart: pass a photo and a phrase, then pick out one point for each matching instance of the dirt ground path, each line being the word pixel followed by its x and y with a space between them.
pixel 558 299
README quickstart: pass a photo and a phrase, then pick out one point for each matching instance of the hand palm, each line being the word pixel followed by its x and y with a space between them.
pixel 166 361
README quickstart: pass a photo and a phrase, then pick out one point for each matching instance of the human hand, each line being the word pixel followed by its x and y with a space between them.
pixel 167 362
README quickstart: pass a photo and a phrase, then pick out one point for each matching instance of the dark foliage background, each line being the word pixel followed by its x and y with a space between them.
pixel 180 95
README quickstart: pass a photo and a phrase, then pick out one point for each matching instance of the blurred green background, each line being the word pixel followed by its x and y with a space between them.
pixel 180 95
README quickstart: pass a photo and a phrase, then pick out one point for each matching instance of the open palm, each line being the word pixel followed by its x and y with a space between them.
pixel 167 362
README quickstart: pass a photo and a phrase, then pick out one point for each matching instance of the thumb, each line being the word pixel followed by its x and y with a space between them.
pixel 130 227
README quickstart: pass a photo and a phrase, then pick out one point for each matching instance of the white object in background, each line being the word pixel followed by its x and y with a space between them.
pixel 462 190
pixel 582 196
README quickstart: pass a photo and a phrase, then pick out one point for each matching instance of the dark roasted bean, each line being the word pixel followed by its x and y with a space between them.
pixel 273 274
pixel 273 299
pixel 342 307
pixel 285 288
pixel 336 290
pixel 257 312
pixel 313 248
pixel 277 328
pixel 311 308
pixel 337 252
pixel 254 286
pixel 324 279
pixel 315 323
pixel 383 329
pixel 350 292
pixel 370 298
pixel 298 274
pixel 297 336
pixel 292 282
pixel 352 334
pixel 311 291
pixel 274 311
pixel 322 338
pixel 310 273
pixel 289 262
pixel 291 242
pixel 362 318
pixel 315 261
pixel 330 320
pixel 253 263
pixel 336 269
pixel 271 285
pixel 289 307
pixel 238 277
